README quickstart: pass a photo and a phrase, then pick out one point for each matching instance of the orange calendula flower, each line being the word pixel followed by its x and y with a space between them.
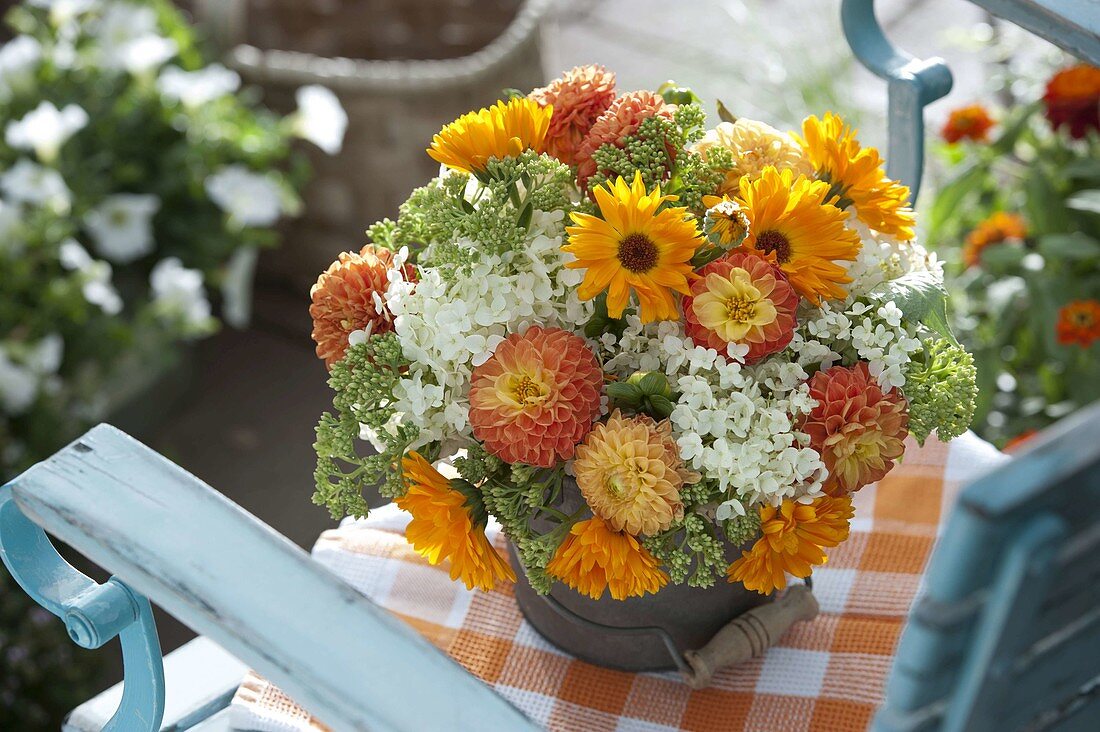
pixel 594 558
pixel 579 97
pixel 1072 99
pixel 998 228
pixel 741 298
pixel 345 299
pixel 502 131
pixel 631 473
pixel 619 121
pixel 856 176
pixel 634 247
pixel 536 397
pixel 792 224
pixel 971 122
pixel 794 535
pixel 858 429
pixel 1079 323
pixel 448 522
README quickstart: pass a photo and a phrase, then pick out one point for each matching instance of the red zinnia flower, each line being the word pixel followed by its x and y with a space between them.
pixel 968 123
pixel 998 228
pixel 1079 322
pixel 1072 99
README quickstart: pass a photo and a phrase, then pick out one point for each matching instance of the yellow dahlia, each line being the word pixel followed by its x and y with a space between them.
pixel 856 176
pixel 343 300
pixel 631 473
pixel 793 537
pixel 755 146
pixel 593 558
pixel 633 246
pixel 792 224
pixel 578 97
pixel 536 397
pixel 504 130
pixel 858 429
pixel 448 522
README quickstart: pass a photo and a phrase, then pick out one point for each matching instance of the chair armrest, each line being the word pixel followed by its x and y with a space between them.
pixel 227 575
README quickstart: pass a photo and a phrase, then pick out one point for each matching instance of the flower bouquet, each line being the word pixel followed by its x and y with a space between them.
pixel 657 354
pixel 1017 218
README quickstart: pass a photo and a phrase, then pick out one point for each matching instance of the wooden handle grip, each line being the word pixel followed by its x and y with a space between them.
pixel 749 635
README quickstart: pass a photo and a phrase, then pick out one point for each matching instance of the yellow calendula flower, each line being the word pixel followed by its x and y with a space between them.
pixel 594 558
pixel 504 130
pixel 634 247
pixel 792 224
pixel 449 524
pixel 856 176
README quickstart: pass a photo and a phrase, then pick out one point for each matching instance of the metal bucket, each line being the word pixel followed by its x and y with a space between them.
pixel 650 633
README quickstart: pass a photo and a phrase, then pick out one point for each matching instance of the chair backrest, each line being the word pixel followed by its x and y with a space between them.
pixel 1007 633
pixel 169 537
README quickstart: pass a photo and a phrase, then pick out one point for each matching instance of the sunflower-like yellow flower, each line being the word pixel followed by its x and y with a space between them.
pixel 634 245
pixel 594 558
pixel 449 524
pixel 856 176
pixel 794 535
pixel 504 130
pixel 792 224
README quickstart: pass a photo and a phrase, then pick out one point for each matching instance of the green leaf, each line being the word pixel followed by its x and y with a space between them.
pixel 1002 258
pixel 921 297
pixel 952 194
pixel 1012 127
pixel 660 407
pixel 724 114
pixel 1045 209
pixel 653 383
pixel 673 93
pixel 1088 201
pixel 525 216
pixel 623 393
pixel 1069 246
pixel 1083 169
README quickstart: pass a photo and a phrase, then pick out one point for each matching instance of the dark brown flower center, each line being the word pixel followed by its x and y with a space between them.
pixel 637 253
pixel 772 241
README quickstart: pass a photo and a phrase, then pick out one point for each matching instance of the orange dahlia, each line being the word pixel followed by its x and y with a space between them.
pixel 856 176
pixel 619 121
pixel 998 228
pixel 1072 99
pixel 631 473
pixel 593 558
pixel 793 537
pixel 344 300
pixel 448 522
pixel 536 397
pixel 741 298
pixel 858 429
pixel 971 122
pixel 1079 322
pixel 579 97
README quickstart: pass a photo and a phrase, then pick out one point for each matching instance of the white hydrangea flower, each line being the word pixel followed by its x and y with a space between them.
pixel 19 58
pixel 122 226
pixel 97 288
pixel 178 293
pixel 196 88
pixel 45 129
pixel 37 185
pixel 320 118
pixel 250 199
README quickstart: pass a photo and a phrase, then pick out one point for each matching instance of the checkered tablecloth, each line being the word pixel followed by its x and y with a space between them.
pixel 827 674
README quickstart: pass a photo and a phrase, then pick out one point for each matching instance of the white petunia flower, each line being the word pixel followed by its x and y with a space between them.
pixel 320 118
pixel 18 60
pixel 178 293
pixel 63 12
pixel 195 88
pixel 122 226
pixel 130 40
pixel 28 182
pixel 250 199
pixel 97 288
pixel 24 370
pixel 45 129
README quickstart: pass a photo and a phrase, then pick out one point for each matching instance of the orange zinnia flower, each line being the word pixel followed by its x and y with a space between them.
pixel 968 123
pixel 1079 322
pixel 536 397
pixel 793 537
pixel 998 228
pixel 858 429
pixel 579 97
pixel 448 522
pixel 1072 99
pixel 593 558
pixel 344 300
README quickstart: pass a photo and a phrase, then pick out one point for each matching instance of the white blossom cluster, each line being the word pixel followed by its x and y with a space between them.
pixel 448 326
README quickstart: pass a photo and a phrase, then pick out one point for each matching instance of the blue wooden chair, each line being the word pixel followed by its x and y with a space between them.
pixel 1006 637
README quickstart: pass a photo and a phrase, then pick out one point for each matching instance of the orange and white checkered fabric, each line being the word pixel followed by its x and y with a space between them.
pixel 826 675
